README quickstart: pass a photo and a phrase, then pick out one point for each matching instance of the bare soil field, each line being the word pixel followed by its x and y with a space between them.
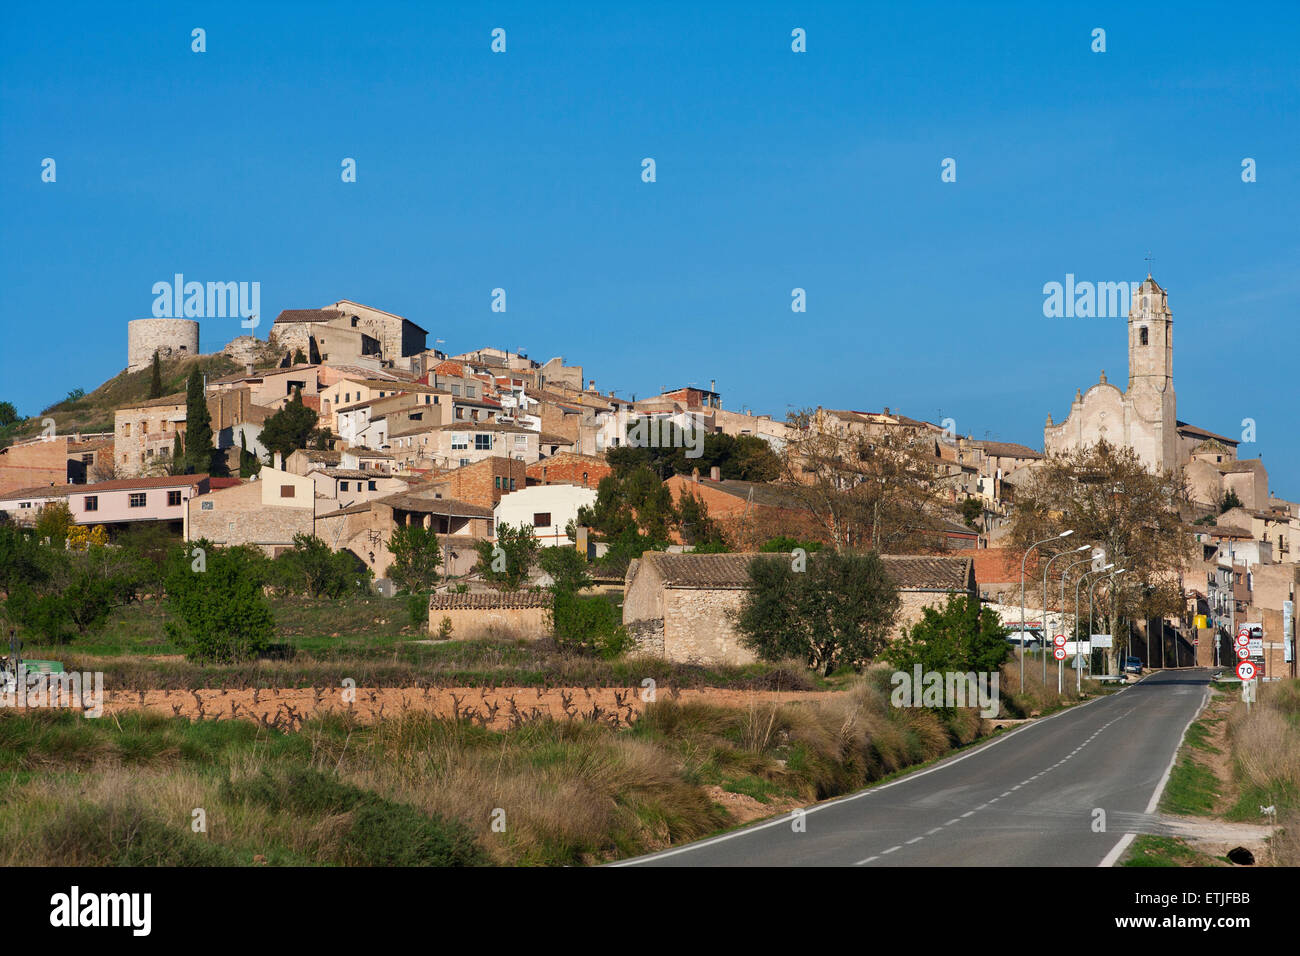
pixel 287 708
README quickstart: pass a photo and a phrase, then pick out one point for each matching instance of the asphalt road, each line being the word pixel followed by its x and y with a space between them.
pixel 1024 799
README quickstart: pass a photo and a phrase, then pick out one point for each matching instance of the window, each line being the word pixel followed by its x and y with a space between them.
pixel 343 486
pixel 521 441
pixel 173 499
pixel 149 452
pixel 136 500
pixel 88 459
pixel 426 399
pixel 455 390
pixel 126 429
pixel 92 502
pixel 464 462
pixel 205 505
pixel 370 485
pixel 459 441
pixel 512 484
pixel 471 391
pixel 1143 333
pixel 542 519
pixel 287 491
pixel 496 481
pixel 482 442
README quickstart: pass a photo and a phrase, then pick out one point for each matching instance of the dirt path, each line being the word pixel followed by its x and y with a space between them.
pixel 499 708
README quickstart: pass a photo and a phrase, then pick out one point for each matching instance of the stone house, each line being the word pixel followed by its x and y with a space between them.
pixel 681 606
pixel 481 483
pixel 348 486
pixel 512 614
pixel 365 528
pixel 569 468
pixel 266 512
pixel 144 433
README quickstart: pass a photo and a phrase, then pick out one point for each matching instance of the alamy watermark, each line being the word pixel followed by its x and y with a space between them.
pixel 639 430
pixel 1086 300
pixel 922 688
pixel 82 691
pixel 179 299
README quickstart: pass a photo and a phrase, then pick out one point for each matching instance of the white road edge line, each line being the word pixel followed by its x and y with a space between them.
pixel 1111 858
pixel 784 819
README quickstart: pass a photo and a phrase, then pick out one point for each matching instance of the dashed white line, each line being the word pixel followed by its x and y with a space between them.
pixel 891 850
pixel 914 840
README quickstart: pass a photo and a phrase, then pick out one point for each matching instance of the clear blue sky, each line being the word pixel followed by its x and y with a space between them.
pixel 775 170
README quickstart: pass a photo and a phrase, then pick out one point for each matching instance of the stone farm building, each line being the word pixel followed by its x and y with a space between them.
pixel 680 606
pixel 515 614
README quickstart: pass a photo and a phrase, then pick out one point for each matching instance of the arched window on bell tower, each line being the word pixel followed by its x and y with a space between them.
pixel 1144 337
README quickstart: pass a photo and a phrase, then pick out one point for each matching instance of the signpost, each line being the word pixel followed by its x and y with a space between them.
pixel 1246 670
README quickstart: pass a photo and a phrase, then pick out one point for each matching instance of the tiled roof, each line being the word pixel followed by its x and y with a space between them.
pixel 1007 449
pixel 119 484
pixel 307 315
pixel 1191 430
pixel 701 570
pixel 489 600
pixel 176 398
pixel 927 572
pixel 405 501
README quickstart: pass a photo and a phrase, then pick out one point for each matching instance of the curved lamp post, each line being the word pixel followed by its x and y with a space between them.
pixel 1063 534
pixel 1046 629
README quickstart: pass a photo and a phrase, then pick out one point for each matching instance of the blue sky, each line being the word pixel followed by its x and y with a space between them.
pixel 775 170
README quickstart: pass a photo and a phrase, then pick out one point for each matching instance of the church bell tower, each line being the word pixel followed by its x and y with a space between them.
pixel 1151 370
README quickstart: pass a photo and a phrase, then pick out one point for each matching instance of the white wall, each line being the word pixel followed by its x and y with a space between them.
pixel 560 501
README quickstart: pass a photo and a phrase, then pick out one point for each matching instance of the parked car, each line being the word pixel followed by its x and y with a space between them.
pixel 1132 665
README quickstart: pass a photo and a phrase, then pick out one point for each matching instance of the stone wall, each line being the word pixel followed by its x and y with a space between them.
pixel 529 623
pixel 698 628
pixel 34 465
pixel 171 338
pixel 237 516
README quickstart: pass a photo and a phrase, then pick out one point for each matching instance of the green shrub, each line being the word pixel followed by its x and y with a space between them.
pixel 125 835
pixel 381 833
pixel 417 606
pixel 221 614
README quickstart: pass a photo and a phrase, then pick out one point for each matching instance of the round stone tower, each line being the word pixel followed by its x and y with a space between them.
pixel 170 338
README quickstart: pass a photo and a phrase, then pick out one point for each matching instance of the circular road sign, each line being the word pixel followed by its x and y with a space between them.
pixel 1059 653
pixel 1246 670
pixel 1243 652
pixel 1059 640
pixel 1243 639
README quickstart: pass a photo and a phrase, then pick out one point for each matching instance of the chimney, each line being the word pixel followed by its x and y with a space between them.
pixel 695 475
pixel 713 385
pixel 715 473
pixel 278 462
pixel 248 369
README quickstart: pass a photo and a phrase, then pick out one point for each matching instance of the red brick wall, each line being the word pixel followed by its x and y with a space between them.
pixel 568 469
pixel 476 484
pixel 36 465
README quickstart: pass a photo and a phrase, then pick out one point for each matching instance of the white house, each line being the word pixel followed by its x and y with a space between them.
pixel 547 509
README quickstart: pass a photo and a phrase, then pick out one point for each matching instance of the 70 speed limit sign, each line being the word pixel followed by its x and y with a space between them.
pixel 1246 670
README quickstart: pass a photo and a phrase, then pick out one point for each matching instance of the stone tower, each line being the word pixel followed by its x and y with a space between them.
pixel 1151 377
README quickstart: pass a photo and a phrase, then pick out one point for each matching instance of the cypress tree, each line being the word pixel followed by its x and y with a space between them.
pixel 198 427
pixel 155 384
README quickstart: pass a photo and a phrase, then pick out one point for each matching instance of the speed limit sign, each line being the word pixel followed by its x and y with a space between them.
pixel 1059 640
pixel 1243 652
pixel 1246 670
pixel 1243 639
pixel 1059 653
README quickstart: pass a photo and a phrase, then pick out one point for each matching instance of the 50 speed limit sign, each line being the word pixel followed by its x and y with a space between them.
pixel 1246 670
pixel 1059 653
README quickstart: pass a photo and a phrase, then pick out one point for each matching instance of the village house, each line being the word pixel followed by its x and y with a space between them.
pixel 265 512
pixel 365 528
pixel 569 468
pixel 546 509
pixel 480 483
pixel 681 606
pixel 114 504
pixel 62 459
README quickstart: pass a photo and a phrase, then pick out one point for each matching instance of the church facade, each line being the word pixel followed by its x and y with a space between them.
pixel 1145 416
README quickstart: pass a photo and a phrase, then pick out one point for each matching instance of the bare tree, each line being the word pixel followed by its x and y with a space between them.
pixel 1109 498
pixel 866 489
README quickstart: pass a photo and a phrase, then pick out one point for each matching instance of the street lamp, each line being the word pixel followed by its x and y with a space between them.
pixel 1055 537
pixel 1079 670
pixel 1046 629
pixel 1065 574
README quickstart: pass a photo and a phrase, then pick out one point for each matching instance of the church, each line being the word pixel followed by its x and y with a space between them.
pixel 1145 416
